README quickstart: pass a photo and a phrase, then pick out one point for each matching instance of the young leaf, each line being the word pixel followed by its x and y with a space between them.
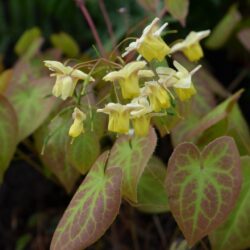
pixel 203 186
pixel 24 42
pixel 178 9
pixel 152 196
pixel 234 233
pixel 226 26
pixel 92 209
pixel 8 134
pixel 131 154
pixel 65 43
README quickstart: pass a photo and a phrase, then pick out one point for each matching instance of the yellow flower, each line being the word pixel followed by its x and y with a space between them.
pixel 118 117
pixel 158 96
pixel 128 78
pixel 191 45
pixel 77 127
pixel 141 116
pixel 66 78
pixel 180 79
pixel 150 45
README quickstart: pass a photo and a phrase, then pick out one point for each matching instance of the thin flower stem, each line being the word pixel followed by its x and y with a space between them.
pixel 85 12
pixel 107 21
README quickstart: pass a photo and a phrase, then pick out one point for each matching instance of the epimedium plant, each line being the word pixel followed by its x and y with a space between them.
pixel 202 183
pixel 205 186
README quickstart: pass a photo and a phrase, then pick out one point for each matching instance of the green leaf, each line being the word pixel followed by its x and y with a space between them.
pixel 216 115
pixel 178 9
pixel 203 187
pixel 23 241
pixel 8 134
pixel 5 78
pixel 24 42
pixel 83 151
pixel 238 129
pixel 55 155
pixel 92 209
pixel 30 99
pixel 234 233
pixel 192 112
pixel 226 27
pixel 152 196
pixel 131 154
pixel 65 43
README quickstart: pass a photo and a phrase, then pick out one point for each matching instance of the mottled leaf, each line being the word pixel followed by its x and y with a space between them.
pixel 234 233
pixel 226 26
pixel 178 9
pixel 8 134
pixel 29 97
pixel 152 196
pixel 203 187
pixel 65 43
pixel 83 151
pixel 131 154
pixel 92 209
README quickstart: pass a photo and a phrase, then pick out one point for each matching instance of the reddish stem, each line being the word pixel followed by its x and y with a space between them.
pixel 85 12
pixel 107 21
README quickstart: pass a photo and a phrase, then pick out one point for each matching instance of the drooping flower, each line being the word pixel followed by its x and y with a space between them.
pixel 180 80
pixel 128 78
pixel 158 96
pixel 141 116
pixel 150 45
pixel 66 78
pixel 118 117
pixel 77 127
pixel 190 46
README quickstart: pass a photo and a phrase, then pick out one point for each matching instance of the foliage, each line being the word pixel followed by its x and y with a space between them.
pixel 163 94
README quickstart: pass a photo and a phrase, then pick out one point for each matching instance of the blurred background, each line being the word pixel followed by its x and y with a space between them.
pixel 30 204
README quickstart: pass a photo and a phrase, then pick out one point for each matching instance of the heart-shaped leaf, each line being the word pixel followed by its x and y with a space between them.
pixel 131 154
pixel 29 96
pixel 152 196
pixel 8 134
pixel 92 209
pixel 203 186
pixel 234 233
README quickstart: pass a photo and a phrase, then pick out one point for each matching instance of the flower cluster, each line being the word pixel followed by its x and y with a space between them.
pixel 147 90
